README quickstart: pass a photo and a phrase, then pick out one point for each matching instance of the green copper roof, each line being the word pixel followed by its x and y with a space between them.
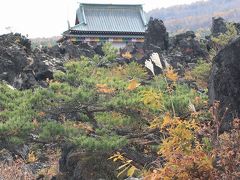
pixel 110 18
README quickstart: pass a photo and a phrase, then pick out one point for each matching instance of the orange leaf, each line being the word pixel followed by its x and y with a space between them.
pixel 170 74
pixel 41 114
pixel 103 88
pixel 101 85
pixel 127 55
pixel 133 85
pixel 166 121
pixel 35 123
pixel 31 158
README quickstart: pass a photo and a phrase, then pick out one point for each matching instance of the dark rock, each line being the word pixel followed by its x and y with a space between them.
pixel 224 84
pixel 185 49
pixel 26 80
pixel 77 164
pixel 6 156
pixel 237 26
pixel 191 65
pixel 25 69
pixel 21 67
pixel 98 50
pixel 4 76
pixel 45 74
pixel 22 151
pixel 13 56
pixel 8 151
pixel 188 46
pixel 36 167
pixel 188 34
pixel 156 36
pixel 219 26
pixel 13 39
pixel 66 149
pixel 68 50
pixel 122 60
pixel 136 51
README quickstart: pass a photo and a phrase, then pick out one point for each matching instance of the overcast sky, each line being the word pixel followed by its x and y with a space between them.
pixel 46 18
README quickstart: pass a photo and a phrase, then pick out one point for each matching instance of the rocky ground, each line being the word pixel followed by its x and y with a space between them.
pixel 24 68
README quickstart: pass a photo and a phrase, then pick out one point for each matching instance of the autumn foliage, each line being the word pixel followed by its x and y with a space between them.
pixel 184 154
pixel 150 127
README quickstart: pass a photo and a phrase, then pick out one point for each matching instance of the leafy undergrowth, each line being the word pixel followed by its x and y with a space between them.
pixel 200 74
pixel 157 129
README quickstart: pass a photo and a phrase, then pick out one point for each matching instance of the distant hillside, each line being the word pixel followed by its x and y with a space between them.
pixel 51 41
pixel 197 15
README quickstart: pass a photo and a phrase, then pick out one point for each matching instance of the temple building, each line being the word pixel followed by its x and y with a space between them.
pixel 116 23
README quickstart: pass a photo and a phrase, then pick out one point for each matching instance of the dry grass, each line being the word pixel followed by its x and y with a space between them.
pixel 15 170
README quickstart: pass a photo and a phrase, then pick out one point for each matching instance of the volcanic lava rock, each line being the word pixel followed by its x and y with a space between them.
pixel 77 164
pixel 219 26
pixel 156 37
pixel 237 26
pixel 6 156
pixel 13 56
pixel 184 50
pixel 22 67
pixel 188 45
pixel 224 83
pixel 68 50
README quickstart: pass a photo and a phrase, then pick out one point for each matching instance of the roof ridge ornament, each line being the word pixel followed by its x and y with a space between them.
pixel 143 16
pixel 84 17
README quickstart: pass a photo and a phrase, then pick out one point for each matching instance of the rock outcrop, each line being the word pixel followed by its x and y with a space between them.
pixel 156 37
pixel 24 68
pixel 237 26
pixel 77 164
pixel 14 56
pixel 185 48
pixel 180 50
pixel 224 84
pixel 68 50
pixel 219 26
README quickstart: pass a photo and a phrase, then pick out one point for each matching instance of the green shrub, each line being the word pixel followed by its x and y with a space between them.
pixel 135 71
pixel 223 39
pixel 110 53
pixel 201 73
pixel 52 131
pixel 102 143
